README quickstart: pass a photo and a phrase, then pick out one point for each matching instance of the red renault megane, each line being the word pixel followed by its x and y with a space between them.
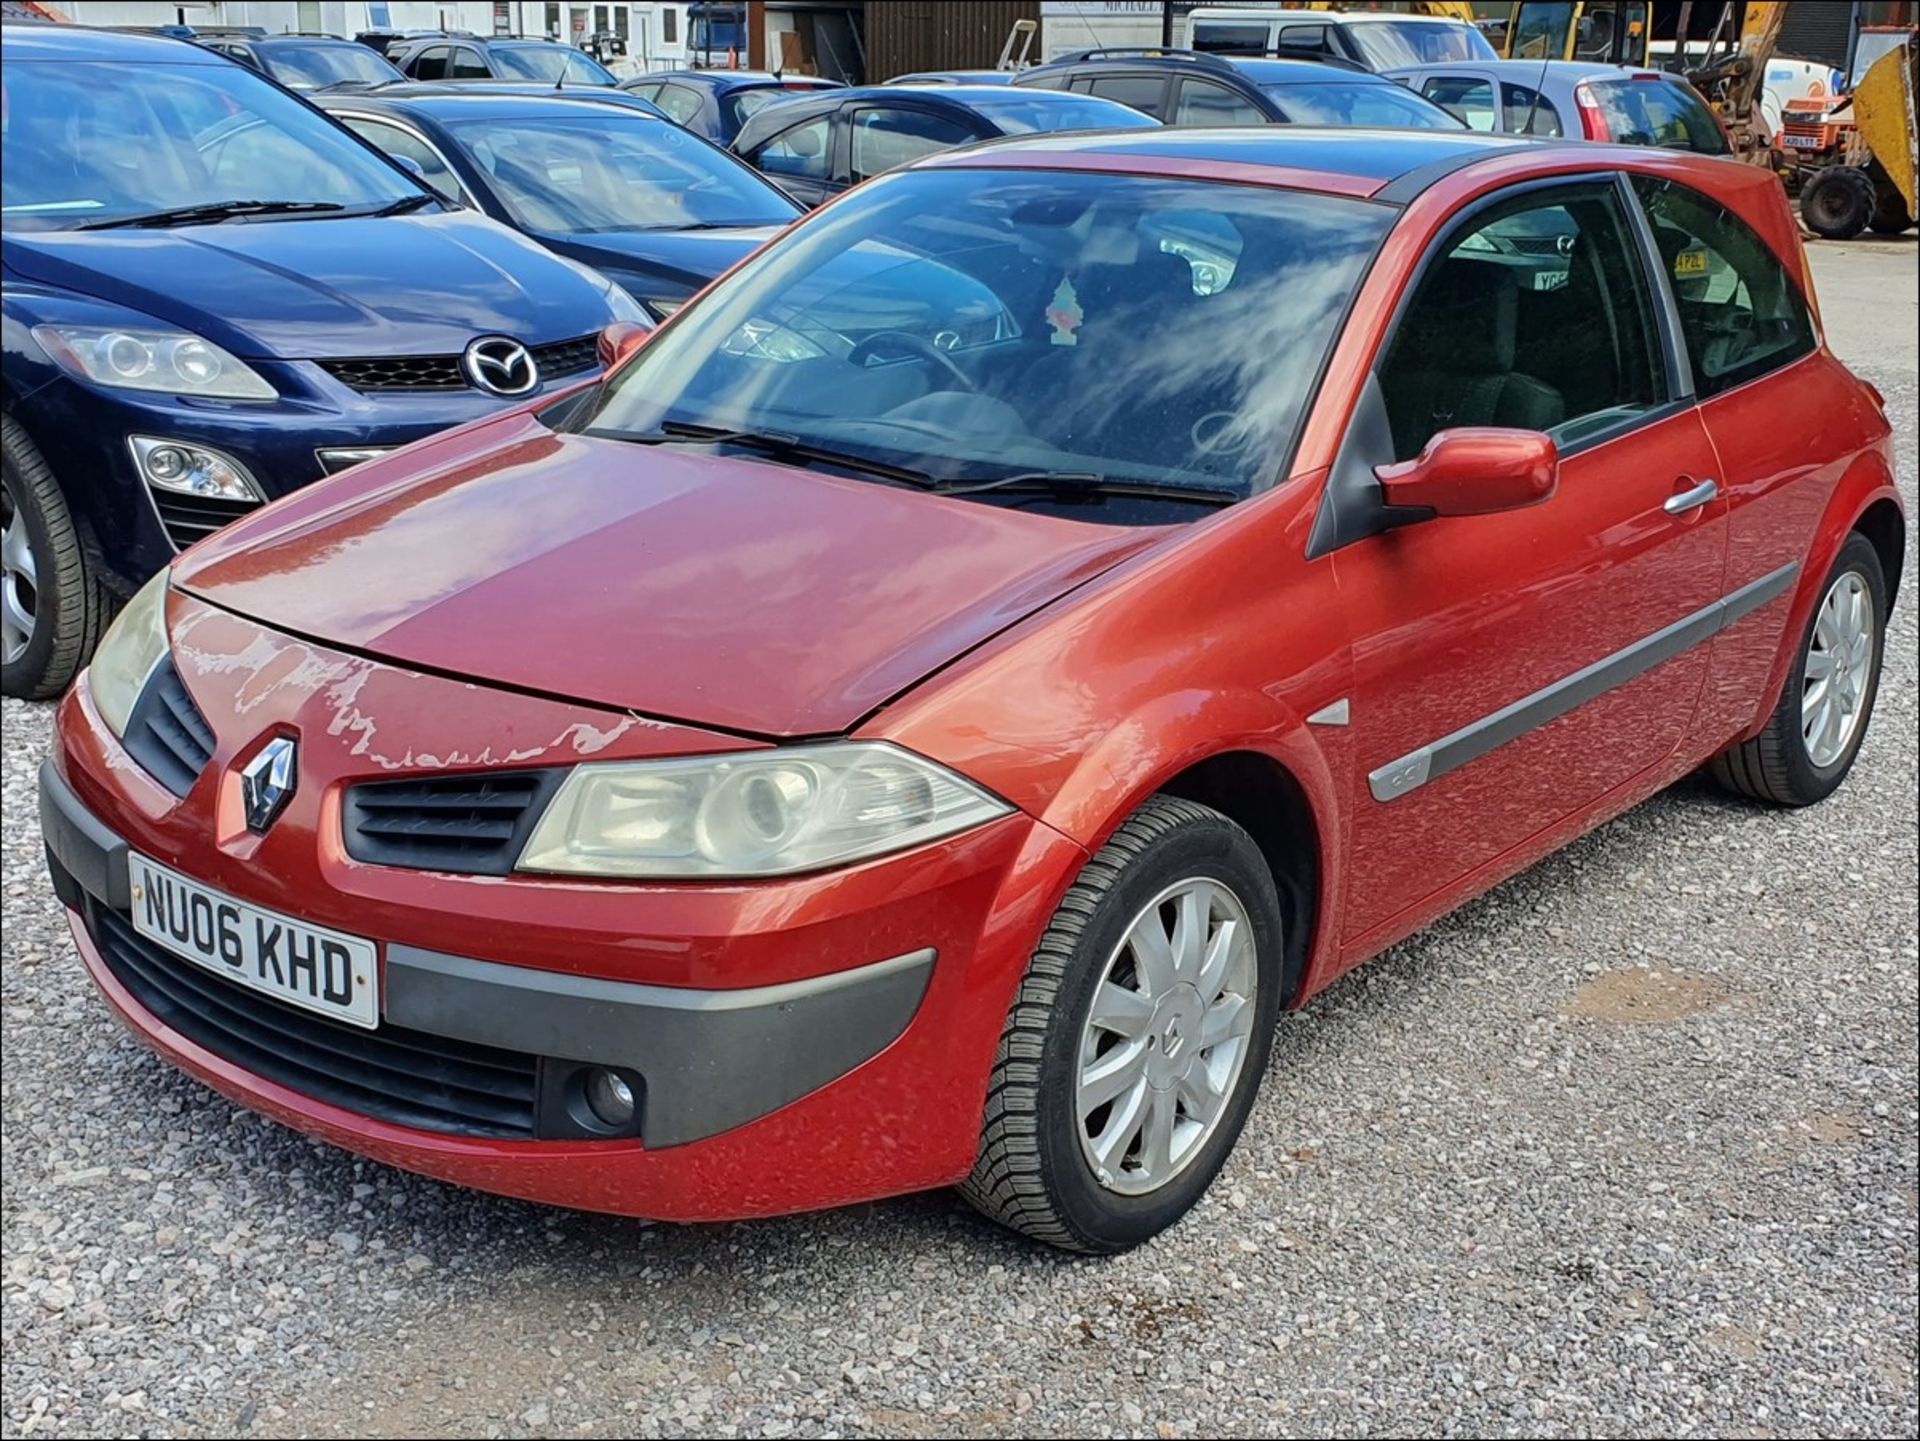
pixel 920 719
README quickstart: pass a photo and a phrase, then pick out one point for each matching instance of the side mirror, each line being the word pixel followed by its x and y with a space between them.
pixel 620 340
pixel 1474 470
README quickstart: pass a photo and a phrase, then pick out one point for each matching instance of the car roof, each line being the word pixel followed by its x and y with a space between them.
pixel 1567 71
pixel 335 41
pixel 477 104
pixel 737 79
pixel 77 42
pixel 1245 13
pixel 1265 71
pixel 1350 160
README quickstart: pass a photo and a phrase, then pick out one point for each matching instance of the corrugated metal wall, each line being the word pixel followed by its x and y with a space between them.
pixel 908 35
pixel 1817 32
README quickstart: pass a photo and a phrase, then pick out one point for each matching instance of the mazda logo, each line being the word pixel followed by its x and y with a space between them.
pixel 500 366
pixel 267 783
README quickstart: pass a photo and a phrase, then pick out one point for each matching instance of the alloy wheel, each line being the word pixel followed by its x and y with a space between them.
pixel 1166 1036
pixel 19 594
pixel 1839 670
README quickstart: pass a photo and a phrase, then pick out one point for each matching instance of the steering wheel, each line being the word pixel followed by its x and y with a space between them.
pixel 882 340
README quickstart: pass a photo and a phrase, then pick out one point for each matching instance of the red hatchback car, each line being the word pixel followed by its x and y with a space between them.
pixel 922 717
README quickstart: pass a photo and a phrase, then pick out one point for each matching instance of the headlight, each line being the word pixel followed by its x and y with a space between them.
pixel 175 361
pixel 624 307
pixel 764 813
pixel 132 646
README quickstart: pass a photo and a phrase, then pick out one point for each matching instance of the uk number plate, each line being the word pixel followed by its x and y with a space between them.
pixel 307 966
pixel 1803 142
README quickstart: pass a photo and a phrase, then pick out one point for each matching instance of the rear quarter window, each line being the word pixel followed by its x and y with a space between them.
pixel 1663 113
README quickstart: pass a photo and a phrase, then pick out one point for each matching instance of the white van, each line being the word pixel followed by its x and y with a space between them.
pixel 1372 39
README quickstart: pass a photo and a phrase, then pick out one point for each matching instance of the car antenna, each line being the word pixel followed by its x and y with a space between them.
pixel 1546 56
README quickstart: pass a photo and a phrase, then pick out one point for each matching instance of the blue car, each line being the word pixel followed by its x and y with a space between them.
pixel 213 295
pixel 714 104
pixel 657 210
pixel 815 147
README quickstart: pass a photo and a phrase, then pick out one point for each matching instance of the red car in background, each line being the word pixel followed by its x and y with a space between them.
pixel 920 719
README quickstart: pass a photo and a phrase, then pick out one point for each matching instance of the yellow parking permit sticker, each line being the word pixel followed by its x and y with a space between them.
pixel 1690 262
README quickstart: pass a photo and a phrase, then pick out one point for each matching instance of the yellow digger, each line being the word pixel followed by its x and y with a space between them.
pixel 1857 155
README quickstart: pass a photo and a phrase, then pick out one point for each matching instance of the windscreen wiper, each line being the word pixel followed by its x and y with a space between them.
pixel 781 446
pixel 1088 486
pixel 214 213
pixel 406 204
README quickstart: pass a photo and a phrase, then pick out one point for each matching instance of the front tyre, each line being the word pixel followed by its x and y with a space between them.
pixel 1814 734
pixel 1837 203
pixel 52 608
pixel 1136 1042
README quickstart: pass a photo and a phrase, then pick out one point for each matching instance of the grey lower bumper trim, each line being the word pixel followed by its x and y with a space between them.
pixel 93 856
pixel 711 1060
pixel 708 1060
pixel 1411 771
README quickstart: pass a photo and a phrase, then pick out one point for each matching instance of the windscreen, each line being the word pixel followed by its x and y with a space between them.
pixel 550 63
pixel 1044 111
pixel 610 171
pixel 976 325
pixel 1389 43
pixel 308 67
pixel 1387 106
pixel 88 142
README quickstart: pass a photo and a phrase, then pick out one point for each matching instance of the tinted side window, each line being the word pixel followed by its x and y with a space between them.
pixel 1464 97
pixel 1204 103
pixel 680 103
pixel 883 138
pixel 431 63
pixel 800 151
pixel 1228 38
pixel 467 65
pixel 1529 112
pixel 1312 39
pixel 1535 314
pixel 402 143
pixel 1740 312
pixel 1142 92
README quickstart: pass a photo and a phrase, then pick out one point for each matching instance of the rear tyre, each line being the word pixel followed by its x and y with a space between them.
pixel 52 607
pixel 1136 1042
pixel 1836 203
pixel 1890 214
pixel 1814 733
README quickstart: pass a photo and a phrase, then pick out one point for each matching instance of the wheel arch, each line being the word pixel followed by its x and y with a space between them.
pixel 1248 756
pixel 1885 527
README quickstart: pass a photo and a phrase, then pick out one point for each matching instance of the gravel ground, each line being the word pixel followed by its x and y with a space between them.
pixel 1627 1147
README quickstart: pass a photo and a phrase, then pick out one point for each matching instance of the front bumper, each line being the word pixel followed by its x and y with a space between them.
pixel 795 1045
pixel 82 430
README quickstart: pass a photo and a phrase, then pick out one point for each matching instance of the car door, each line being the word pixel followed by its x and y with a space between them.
pixel 468 64
pixel 800 159
pixel 431 63
pixel 1511 669
pixel 882 137
pixel 1743 319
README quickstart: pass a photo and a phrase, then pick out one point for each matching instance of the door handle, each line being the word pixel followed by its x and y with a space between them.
pixel 1702 494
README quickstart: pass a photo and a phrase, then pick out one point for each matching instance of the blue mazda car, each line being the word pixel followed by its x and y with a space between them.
pixel 213 294
pixel 655 209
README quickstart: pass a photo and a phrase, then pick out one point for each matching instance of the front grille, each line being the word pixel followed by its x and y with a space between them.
pixel 399 372
pixel 411 1078
pixel 567 357
pixel 188 518
pixel 442 372
pixel 166 733
pixel 474 824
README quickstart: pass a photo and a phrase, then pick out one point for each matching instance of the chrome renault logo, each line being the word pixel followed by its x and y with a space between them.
pixel 500 366
pixel 267 783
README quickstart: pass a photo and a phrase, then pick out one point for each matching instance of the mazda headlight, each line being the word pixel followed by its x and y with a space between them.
pixel 136 358
pixel 760 813
pixel 134 643
pixel 621 302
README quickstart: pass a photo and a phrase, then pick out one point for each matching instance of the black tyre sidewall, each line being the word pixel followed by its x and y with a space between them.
pixel 23 677
pixel 1832 187
pixel 1808 780
pixel 1106 1220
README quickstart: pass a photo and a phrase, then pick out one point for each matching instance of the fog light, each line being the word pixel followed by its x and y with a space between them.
pixel 610 1099
pixel 192 469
